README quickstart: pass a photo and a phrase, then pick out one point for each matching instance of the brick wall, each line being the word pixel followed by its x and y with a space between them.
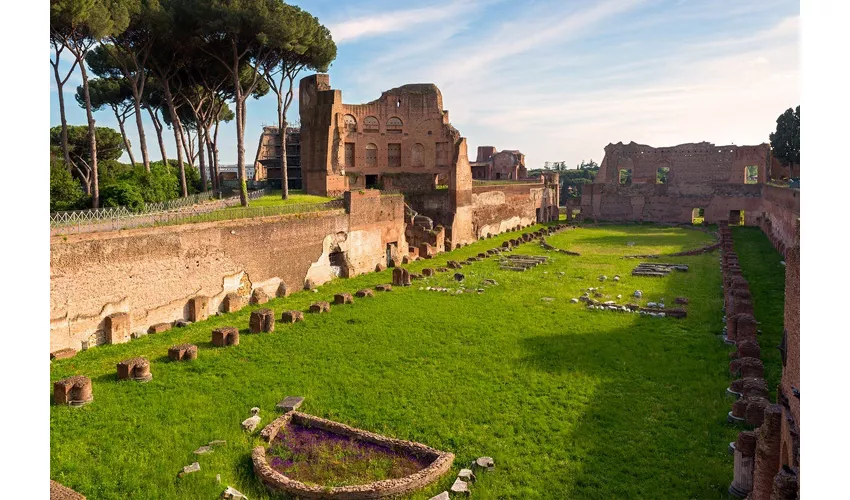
pixel 152 273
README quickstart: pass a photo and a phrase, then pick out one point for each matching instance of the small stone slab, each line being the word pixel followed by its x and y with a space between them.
pixel 183 352
pixel 320 307
pixel 217 442
pixel 159 328
pixel 366 292
pixel 73 391
pixel 442 269
pixel 292 316
pixel 460 487
pixel 262 320
pixel 428 272
pixel 193 467
pixel 442 496
pixel 343 298
pixel 225 336
pixel 290 403
pixel 484 463
pixel 259 296
pixel 466 475
pixel 232 302
pixel 63 354
pixel 384 288
pixel 138 369
pixel 203 450
pixel 453 264
pixel 233 494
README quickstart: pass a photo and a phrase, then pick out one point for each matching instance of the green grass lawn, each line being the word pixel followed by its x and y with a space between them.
pixel 570 402
pixel 296 197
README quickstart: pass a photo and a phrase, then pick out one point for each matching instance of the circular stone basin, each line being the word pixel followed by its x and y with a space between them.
pixel 311 457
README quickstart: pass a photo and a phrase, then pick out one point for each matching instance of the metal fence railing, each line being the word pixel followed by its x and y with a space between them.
pixel 110 219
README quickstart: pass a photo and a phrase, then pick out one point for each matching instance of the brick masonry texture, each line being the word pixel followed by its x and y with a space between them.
pixel 153 275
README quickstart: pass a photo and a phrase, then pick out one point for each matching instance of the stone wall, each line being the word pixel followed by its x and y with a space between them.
pixel 780 212
pixel 151 274
pixel 699 175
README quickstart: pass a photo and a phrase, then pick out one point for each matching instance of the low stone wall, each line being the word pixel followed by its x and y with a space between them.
pixel 152 274
pixel 275 481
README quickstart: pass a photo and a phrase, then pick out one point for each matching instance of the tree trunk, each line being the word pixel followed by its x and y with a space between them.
pixel 137 99
pixel 201 161
pixel 211 160
pixel 215 152
pixel 158 126
pixel 64 136
pixel 95 191
pixel 190 157
pixel 124 136
pixel 240 140
pixel 169 100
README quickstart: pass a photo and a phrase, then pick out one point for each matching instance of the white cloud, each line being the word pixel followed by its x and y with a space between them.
pixel 396 21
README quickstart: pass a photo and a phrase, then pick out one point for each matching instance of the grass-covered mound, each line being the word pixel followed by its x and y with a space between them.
pixel 570 402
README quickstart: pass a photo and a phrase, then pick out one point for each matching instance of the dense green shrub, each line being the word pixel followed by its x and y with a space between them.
pixel 65 192
pixel 122 193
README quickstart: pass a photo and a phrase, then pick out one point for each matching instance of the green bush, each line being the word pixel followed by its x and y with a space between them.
pixel 65 191
pixel 122 193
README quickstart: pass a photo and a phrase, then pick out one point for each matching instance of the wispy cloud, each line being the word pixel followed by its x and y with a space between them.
pixel 376 24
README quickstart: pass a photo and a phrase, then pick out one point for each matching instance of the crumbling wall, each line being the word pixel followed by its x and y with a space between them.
pixel 151 274
pixel 699 175
pixel 780 212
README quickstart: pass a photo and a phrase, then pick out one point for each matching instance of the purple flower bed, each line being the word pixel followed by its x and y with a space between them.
pixel 316 456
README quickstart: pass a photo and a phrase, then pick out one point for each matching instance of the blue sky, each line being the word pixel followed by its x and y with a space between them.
pixel 555 79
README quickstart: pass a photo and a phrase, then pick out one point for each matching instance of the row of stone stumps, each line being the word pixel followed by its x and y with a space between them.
pixel 756 452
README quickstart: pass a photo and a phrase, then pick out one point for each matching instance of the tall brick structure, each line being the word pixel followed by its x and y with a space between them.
pixel 641 183
pixel 403 141
pixel 504 165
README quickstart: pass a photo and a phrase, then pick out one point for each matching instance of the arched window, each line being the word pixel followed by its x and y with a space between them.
pixel 394 125
pixel 370 125
pixel 350 123
pixel 371 155
pixel 417 155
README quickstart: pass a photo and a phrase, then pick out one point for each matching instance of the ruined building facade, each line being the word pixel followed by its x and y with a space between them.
pixel 267 163
pixel 641 183
pixel 502 165
pixel 404 141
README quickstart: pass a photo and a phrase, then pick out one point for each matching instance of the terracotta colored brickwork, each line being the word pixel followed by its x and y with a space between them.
pixel 699 175
pixel 160 275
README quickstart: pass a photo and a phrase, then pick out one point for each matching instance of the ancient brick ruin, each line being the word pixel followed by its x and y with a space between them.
pixel 404 141
pixel 767 461
pixel 492 165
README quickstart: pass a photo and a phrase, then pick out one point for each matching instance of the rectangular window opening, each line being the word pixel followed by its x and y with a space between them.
pixel 751 174
pixel 394 155
pixel 698 216
pixel 625 176
pixel 661 175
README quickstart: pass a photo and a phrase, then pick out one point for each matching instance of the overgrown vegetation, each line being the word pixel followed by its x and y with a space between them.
pixel 570 402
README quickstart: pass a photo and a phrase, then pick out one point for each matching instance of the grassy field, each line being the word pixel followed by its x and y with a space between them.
pixel 571 403
pixel 274 200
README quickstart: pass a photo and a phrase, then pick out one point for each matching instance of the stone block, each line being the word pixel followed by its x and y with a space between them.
pixel 754 414
pixel 426 251
pixel 442 496
pixel 309 284
pixel 380 267
pixel 747 349
pixel 343 298
pixel 453 264
pixel 428 272
pixel 290 403
pixel 366 292
pixel 750 386
pixel 159 328
pixel 283 290
pixel 320 307
pixel 681 300
pixel 384 288
pixel 138 369
pixel 199 308
pixel 183 352
pixel 74 391
pixel 786 485
pixel 398 276
pixel 232 302
pixel 746 327
pixel 63 354
pixel 484 463
pixel 292 316
pixel 117 328
pixel 261 321
pixel 258 296
pixel 747 367
pixel 225 336
pixel 460 488
pixel 442 269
